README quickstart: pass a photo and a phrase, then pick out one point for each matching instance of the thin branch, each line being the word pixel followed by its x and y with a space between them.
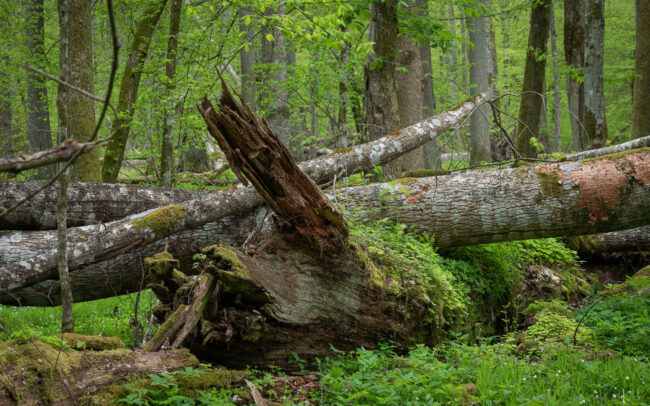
pixel 18 163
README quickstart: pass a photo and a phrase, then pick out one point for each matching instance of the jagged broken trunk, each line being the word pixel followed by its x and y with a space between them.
pixel 301 287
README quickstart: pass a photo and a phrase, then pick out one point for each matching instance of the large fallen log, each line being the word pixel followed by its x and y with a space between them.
pixel 550 200
pixel 322 170
pixel 92 203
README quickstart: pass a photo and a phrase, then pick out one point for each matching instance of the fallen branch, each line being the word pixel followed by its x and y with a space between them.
pixel 18 163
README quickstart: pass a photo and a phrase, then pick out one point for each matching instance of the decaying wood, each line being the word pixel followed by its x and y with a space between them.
pixel 257 155
pixel 34 373
pixel 60 153
pixel 549 200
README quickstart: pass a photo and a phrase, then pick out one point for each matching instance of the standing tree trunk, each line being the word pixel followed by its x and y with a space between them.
pixel 76 111
pixel 557 118
pixel 273 93
pixel 247 60
pixel 478 76
pixel 534 79
pixel 641 118
pixel 594 116
pixel 167 156
pixel 38 113
pixel 67 322
pixel 344 79
pixel 129 90
pixel 380 96
pixel 432 148
pixel 574 56
pixel 452 66
pixel 410 92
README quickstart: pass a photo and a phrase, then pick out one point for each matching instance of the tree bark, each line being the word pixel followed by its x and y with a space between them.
pixel 641 118
pixel 549 200
pixel 594 116
pixel 76 111
pixel 557 117
pixel 67 322
pixel 534 74
pixel 574 56
pixel 382 109
pixel 247 60
pixel 634 240
pixel 129 90
pixel 274 95
pixel 167 150
pixel 478 76
pixel 431 149
pixel 38 112
pixel 410 92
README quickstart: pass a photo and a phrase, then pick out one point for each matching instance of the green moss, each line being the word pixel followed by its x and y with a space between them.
pixel 424 173
pixel 629 285
pixel 166 326
pixel 188 384
pixel 226 259
pixel 163 220
pixel 550 183
pixel 234 274
pixel 585 244
pixel 617 155
pixel 375 276
pixel 405 181
pixel 161 265
pixel 520 163
pixel 32 362
pixel 92 343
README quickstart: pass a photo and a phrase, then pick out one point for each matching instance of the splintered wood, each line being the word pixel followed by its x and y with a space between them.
pixel 257 155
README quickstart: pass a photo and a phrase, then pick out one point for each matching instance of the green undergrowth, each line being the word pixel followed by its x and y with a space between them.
pixel 482 374
pixel 472 288
pixel 108 317
pixel 622 321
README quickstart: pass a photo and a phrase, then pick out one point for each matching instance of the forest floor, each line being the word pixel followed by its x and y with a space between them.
pixel 510 313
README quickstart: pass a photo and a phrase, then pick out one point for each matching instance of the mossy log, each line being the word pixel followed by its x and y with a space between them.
pixel 634 240
pixel 35 373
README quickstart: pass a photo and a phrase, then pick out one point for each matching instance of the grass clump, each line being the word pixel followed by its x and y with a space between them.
pixel 111 317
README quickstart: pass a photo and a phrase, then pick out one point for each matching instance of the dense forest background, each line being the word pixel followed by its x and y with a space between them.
pixel 319 76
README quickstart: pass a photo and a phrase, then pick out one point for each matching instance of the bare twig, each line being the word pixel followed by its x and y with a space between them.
pixel 60 153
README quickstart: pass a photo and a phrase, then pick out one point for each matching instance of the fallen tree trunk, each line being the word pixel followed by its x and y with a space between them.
pixel 550 200
pixel 634 240
pixel 92 203
pixel 95 244
pixel 324 169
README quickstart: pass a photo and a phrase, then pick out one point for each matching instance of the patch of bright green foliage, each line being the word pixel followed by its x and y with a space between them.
pixel 108 317
pixel 482 374
pixel 622 321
